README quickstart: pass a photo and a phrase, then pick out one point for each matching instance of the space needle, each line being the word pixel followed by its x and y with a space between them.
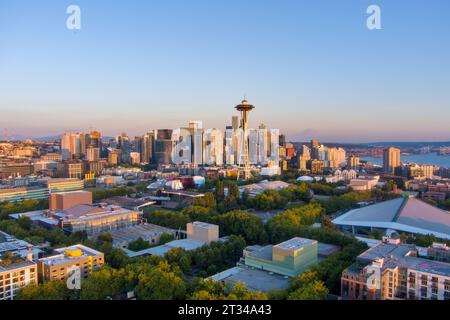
pixel 244 108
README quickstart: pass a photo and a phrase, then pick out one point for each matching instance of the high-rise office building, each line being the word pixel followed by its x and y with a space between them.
pixel 163 147
pixel 314 145
pixel 92 153
pixel 253 145
pixel 144 146
pixel 95 139
pixel 196 128
pixel 147 154
pixel 275 146
pixel 235 122
pixel 70 146
pixel 282 141
pixel 124 144
pixel 182 146
pixel 91 139
pixel 229 146
pixel 114 157
pixel 263 145
pixel 213 147
pixel 391 159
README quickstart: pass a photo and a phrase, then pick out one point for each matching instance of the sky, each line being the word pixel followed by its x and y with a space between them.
pixel 311 68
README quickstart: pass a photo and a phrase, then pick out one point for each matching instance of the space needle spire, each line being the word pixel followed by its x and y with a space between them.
pixel 245 108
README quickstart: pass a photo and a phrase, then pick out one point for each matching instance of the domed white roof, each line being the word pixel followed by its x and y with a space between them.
pixel 305 179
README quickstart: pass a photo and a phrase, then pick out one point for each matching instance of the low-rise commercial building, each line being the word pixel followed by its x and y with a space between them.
pixel 263 268
pixel 149 232
pixel 198 235
pixel 74 211
pixel 288 258
pixel 22 194
pixel 42 191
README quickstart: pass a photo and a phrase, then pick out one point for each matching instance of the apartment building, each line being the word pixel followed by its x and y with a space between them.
pixel 394 271
pixel 15 273
pixel 60 265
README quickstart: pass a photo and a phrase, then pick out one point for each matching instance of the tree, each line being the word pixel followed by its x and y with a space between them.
pixel 233 191
pixel 207 201
pixel 179 257
pixel 214 290
pixel 161 282
pixel 25 222
pixel 242 223
pixel 390 186
pixel 51 290
pixel 307 286
pixel 165 237
pixel 220 191
pixel 114 257
pixel 240 292
pixel 108 282
pixel 105 237
pixel 138 245
pixel 313 291
pixel 169 219
pixel 218 255
pixel 207 289
pixel 199 213
pixel 289 223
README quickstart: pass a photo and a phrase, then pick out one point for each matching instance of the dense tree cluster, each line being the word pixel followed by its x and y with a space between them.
pixel 349 200
pixel 289 223
pixel 138 244
pixel 107 193
pixel 7 208
pixel 307 286
pixel 217 256
pixel 329 270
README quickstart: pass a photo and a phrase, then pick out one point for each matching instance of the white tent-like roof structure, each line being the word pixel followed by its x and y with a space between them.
pixel 406 214
pixel 305 179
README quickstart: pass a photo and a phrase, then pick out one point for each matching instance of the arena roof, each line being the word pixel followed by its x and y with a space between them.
pixel 405 214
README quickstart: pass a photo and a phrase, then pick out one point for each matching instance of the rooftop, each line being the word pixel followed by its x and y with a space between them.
pixel 127 202
pixel 9 243
pixel 406 214
pixel 266 185
pixel 138 231
pixel 404 256
pixel 295 244
pixel 186 244
pixel 254 279
pixel 82 212
pixel 9 263
pixel 71 253
pixel 204 225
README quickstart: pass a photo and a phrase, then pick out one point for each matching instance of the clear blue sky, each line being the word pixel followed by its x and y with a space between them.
pixel 311 68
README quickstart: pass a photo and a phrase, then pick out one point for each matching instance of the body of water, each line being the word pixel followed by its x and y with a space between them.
pixel 427 158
